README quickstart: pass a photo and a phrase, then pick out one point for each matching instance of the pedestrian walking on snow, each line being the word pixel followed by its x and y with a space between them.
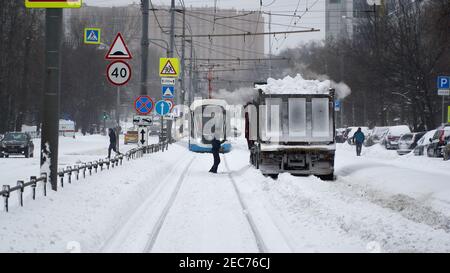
pixel 112 142
pixel 358 139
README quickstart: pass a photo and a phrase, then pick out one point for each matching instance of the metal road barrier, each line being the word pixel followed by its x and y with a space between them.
pixel 68 172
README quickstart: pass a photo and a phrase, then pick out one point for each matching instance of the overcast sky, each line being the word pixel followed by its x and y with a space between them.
pixel 315 17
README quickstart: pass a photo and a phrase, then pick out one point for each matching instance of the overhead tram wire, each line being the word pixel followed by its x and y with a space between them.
pixel 247 20
pixel 156 18
pixel 307 9
pixel 234 48
pixel 252 34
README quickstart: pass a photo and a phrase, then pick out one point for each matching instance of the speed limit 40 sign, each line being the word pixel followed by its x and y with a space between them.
pixel 118 72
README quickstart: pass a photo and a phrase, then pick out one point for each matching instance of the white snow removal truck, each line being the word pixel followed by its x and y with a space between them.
pixel 295 128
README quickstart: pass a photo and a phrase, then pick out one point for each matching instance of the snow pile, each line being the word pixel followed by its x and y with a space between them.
pixel 296 85
pixel 399 130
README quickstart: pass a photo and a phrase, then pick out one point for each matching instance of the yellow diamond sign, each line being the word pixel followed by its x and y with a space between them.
pixel 53 3
pixel 169 67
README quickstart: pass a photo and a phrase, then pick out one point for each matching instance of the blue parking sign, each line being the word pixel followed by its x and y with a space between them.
pixel 444 82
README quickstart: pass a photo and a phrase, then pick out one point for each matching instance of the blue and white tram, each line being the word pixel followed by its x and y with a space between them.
pixel 208 119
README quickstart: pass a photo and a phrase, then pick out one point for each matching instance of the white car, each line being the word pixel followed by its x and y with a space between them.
pixel 393 134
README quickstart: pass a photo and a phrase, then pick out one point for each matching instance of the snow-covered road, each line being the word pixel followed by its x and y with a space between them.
pixel 168 202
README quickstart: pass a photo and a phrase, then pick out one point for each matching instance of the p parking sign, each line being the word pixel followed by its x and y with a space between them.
pixel 443 82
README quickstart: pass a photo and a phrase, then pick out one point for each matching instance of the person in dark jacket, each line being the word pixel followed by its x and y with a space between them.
pixel 358 139
pixel 112 142
pixel 215 151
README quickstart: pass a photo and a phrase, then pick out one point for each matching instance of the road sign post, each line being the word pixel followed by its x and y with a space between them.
pixel 443 84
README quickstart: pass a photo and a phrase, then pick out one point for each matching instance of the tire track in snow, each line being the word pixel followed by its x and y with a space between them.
pixel 120 234
pixel 162 217
pixel 261 244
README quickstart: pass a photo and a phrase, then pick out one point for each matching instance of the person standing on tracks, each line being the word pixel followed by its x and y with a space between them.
pixel 112 142
pixel 358 139
pixel 215 151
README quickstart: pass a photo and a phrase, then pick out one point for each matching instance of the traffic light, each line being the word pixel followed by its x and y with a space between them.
pixel 105 116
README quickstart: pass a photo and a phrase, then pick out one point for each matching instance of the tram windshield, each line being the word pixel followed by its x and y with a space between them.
pixel 209 122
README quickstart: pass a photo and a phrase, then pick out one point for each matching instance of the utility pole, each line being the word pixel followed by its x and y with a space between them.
pixel 210 77
pixel 50 121
pixel 191 82
pixel 172 29
pixel 118 89
pixel 270 45
pixel 183 43
pixel 144 46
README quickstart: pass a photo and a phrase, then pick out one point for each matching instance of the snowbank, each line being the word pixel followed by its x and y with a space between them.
pixel 296 85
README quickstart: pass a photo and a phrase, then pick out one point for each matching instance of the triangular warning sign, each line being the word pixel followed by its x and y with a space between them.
pixel 118 49
pixel 168 69
pixel 168 92
pixel 92 36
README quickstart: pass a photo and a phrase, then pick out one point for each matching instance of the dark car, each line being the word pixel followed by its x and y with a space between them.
pixel 408 142
pixel 446 149
pixel 16 143
pixel 438 141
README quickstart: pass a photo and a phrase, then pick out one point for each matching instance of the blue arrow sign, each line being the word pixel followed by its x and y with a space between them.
pixel 444 82
pixel 162 107
pixel 168 91
pixel 337 105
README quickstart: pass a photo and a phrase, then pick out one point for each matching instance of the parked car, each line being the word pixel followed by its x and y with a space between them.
pixel 392 135
pixel 446 150
pixel 16 143
pixel 423 143
pixel 408 142
pixel 131 137
pixel 353 130
pixel 340 135
pixel 438 141
pixel 375 136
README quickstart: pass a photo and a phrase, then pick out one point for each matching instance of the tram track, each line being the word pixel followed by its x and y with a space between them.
pixel 257 232
pixel 120 236
pixel 161 219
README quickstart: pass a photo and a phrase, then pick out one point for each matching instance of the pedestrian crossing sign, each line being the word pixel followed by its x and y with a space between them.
pixel 92 36
pixel 168 91
pixel 169 67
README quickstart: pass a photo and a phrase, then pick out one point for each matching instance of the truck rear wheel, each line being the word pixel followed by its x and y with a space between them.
pixel 328 177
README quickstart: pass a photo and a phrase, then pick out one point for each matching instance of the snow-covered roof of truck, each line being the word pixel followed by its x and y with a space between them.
pixel 296 85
